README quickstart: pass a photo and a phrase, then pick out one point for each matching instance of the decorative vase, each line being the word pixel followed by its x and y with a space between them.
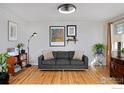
pixel 99 51
pixel 22 51
pixel 19 50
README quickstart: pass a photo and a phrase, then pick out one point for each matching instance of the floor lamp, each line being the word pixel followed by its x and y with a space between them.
pixel 34 34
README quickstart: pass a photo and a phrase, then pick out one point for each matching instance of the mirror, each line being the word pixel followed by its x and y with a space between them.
pixel 117 37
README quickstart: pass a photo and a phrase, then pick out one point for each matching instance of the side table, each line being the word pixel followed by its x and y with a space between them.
pixel 98 60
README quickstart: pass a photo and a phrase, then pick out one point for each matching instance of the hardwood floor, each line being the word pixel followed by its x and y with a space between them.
pixel 33 75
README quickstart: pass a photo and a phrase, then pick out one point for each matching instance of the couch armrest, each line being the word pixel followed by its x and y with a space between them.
pixel 85 60
pixel 40 59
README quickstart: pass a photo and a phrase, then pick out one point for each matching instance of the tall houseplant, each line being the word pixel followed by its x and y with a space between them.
pixel 98 48
pixel 4 76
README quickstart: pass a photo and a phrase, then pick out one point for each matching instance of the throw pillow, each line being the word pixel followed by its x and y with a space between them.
pixel 78 55
pixel 48 55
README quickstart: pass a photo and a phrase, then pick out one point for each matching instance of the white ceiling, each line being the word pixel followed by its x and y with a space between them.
pixel 48 11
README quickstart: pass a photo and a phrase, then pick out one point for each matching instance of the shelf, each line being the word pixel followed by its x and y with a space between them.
pixel 16 60
pixel 73 40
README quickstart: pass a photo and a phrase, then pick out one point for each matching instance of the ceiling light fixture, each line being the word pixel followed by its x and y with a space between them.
pixel 66 8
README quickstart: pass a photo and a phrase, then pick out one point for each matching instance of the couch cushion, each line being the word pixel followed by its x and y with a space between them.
pixel 77 62
pixel 78 55
pixel 62 61
pixel 51 61
pixel 54 54
pixel 48 55
pixel 71 54
pixel 62 54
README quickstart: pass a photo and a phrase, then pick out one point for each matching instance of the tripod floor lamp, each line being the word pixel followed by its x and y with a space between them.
pixel 28 64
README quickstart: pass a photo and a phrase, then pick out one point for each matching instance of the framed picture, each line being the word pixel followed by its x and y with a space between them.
pixel 71 30
pixel 57 36
pixel 12 33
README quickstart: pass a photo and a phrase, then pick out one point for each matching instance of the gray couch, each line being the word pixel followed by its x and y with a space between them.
pixel 63 60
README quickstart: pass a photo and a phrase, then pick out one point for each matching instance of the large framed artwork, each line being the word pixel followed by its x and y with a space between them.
pixel 71 30
pixel 57 36
pixel 12 33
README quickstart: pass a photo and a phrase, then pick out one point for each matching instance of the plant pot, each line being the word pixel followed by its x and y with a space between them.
pixel 99 51
pixel 19 50
pixel 22 51
pixel 4 78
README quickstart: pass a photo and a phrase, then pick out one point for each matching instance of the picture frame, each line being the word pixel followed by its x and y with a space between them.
pixel 57 36
pixel 12 31
pixel 71 30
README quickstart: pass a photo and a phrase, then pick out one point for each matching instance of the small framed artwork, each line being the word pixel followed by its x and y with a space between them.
pixel 57 36
pixel 71 30
pixel 12 31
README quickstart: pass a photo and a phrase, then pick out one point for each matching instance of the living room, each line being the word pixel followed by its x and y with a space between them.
pixel 61 48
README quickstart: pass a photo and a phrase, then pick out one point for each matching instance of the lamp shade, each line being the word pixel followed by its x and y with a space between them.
pixel 34 34
pixel 66 8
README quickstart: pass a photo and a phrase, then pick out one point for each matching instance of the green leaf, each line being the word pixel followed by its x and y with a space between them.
pixel 3 58
pixel 98 46
pixel 122 50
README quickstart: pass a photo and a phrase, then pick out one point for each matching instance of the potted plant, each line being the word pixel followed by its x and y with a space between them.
pixel 20 48
pixel 4 76
pixel 98 48
pixel 122 50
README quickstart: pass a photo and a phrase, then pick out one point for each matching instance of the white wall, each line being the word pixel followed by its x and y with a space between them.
pixel 4 17
pixel 88 33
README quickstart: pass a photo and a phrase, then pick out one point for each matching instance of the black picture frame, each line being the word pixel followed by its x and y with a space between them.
pixel 61 33
pixel 71 30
